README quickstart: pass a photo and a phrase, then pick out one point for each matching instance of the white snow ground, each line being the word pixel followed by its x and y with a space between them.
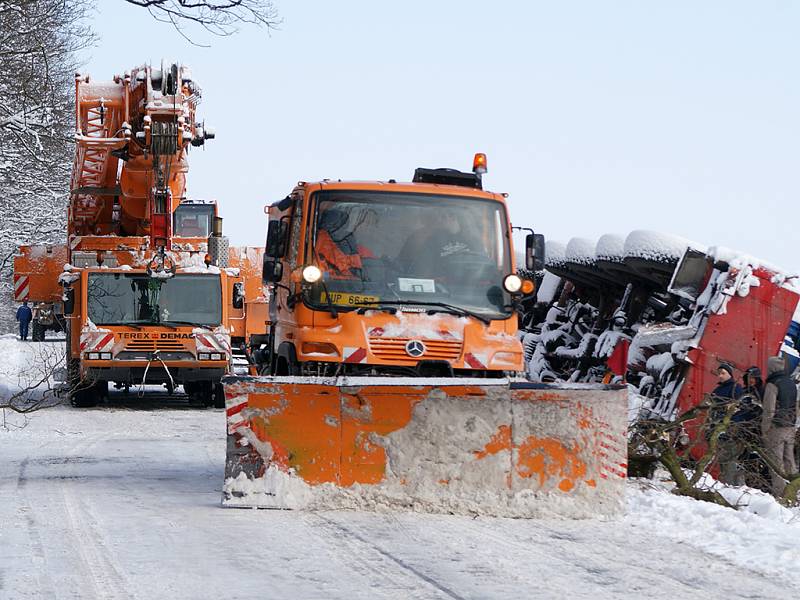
pixel 124 502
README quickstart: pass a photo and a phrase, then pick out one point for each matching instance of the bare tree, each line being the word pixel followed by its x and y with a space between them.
pixel 219 17
pixel 665 442
pixel 39 43
pixel 28 389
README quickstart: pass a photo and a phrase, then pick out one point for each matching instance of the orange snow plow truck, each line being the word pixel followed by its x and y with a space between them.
pixel 389 376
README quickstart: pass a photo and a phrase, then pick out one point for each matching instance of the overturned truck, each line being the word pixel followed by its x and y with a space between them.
pixel 657 312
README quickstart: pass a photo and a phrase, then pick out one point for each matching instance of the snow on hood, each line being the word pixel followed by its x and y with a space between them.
pixel 419 326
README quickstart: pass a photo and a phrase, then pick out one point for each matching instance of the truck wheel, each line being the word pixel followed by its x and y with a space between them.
pixel 201 394
pixel 36 332
pixel 86 396
pixel 219 396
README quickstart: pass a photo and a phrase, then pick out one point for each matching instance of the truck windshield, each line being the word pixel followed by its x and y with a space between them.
pixel 120 298
pixel 193 220
pixel 402 248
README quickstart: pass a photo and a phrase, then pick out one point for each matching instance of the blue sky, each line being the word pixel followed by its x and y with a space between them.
pixel 597 117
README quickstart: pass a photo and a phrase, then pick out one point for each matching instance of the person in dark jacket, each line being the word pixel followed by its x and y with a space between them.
pixel 754 384
pixel 24 316
pixel 778 420
pixel 737 460
pixel 727 388
pixel 729 447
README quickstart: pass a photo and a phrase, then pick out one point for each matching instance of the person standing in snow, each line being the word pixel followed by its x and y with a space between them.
pixel 24 316
pixel 778 421
pixel 728 449
pixel 744 431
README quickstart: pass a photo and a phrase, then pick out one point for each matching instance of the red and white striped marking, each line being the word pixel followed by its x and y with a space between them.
pixel 212 342
pixel 22 287
pixel 355 355
pixel 97 341
pixel 234 414
pixel 473 361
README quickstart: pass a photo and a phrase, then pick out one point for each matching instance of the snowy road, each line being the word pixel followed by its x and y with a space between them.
pixel 123 503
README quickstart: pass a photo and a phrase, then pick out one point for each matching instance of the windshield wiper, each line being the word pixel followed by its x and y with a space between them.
pixel 450 308
pixel 172 323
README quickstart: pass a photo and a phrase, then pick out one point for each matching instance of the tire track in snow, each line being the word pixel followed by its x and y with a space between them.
pixel 377 559
pixel 100 573
pixel 619 565
pixel 37 547
pixel 107 579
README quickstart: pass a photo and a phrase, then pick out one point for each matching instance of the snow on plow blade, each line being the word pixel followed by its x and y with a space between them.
pixel 499 448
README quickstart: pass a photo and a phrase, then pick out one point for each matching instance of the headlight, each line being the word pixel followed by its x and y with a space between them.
pixel 105 355
pixel 216 356
pixel 311 274
pixel 93 356
pixel 512 283
pixel 202 356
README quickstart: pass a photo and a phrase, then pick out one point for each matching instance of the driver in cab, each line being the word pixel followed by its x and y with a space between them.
pixel 336 249
pixel 426 252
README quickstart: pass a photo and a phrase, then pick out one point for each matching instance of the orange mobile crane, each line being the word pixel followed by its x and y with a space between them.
pixel 139 283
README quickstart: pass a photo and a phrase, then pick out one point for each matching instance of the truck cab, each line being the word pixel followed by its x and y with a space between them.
pixel 414 279
pixel 132 327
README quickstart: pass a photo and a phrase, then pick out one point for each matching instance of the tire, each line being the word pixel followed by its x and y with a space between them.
pixel 36 332
pixel 219 396
pixel 201 394
pixel 88 396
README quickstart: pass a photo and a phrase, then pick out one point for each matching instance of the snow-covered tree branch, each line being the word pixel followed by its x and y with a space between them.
pixel 39 43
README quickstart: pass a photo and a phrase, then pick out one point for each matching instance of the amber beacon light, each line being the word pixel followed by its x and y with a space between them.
pixel 479 163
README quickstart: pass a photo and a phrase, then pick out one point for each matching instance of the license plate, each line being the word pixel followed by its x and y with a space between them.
pixel 348 299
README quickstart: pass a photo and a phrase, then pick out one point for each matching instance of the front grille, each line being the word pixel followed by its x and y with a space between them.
pixel 395 348
pixel 153 345
pixel 140 355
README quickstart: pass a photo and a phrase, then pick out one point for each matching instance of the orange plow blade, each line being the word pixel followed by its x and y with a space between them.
pixel 493 447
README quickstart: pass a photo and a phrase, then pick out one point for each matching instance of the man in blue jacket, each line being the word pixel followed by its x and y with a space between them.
pixel 24 316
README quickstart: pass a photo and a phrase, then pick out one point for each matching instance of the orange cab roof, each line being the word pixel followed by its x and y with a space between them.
pixel 409 187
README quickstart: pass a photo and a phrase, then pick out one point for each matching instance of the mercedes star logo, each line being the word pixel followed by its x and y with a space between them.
pixel 415 348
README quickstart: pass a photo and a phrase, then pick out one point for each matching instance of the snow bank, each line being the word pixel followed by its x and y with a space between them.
pixel 762 536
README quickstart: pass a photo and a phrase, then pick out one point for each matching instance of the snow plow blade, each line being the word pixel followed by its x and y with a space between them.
pixel 478 446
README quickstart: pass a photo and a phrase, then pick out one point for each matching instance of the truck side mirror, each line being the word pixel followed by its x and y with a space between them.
pixel 272 270
pixel 238 295
pixel 69 301
pixel 534 252
pixel 277 236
